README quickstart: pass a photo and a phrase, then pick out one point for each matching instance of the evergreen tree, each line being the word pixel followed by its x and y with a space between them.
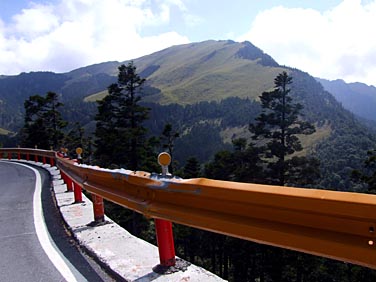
pixel 121 136
pixel 76 138
pixel 43 122
pixel 242 165
pixel 192 168
pixel 278 126
pixel 168 137
pixel 368 175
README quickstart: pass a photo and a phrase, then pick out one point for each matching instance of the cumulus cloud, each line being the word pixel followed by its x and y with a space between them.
pixel 338 43
pixel 74 33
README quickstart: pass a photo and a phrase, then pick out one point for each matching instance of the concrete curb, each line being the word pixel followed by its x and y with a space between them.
pixel 127 256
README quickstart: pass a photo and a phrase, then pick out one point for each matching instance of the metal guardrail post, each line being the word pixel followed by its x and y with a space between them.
pixel 77 193
pixel 165 241
pixel 35 155
pixel 163 228
pixel 67 181
pixel 77 189
pixel 98 207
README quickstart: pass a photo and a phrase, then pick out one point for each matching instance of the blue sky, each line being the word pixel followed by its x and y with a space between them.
pixel 329 39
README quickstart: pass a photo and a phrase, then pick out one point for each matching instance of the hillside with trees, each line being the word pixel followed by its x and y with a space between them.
pixel 292 132
pixel 209 93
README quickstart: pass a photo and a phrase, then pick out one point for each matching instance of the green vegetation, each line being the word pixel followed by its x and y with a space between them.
pixel 199 99
pixel 43 122
pixel 207 71
pixel 120 134
pixel 368 173
pixel 279 125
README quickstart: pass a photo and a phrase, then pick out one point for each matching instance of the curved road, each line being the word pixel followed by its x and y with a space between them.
pixel 27 252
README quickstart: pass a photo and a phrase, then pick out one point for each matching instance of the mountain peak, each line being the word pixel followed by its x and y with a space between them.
pixel 251 52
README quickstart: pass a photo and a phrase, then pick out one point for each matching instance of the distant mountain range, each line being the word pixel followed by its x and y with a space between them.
pixel 184 74
pixel 357 97
pixel 209 91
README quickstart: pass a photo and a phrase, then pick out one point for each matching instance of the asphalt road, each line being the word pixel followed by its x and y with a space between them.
pixel 23 252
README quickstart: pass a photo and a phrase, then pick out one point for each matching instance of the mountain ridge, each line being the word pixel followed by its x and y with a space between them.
pixel 209 91
pixel 357 97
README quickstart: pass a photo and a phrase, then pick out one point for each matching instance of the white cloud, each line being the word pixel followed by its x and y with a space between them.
pixel 75 33
pixel 338 43
pixel 34 21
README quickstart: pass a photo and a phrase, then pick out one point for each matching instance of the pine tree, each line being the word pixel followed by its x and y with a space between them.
pixel 368 174
pixel 43 122
pixel 121 136
pixel 243 164
pixel 278 126
pixel 168 138
pixel 192 168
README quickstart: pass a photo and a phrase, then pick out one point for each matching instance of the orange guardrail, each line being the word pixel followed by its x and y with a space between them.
pixel 338 225
pixel 29 154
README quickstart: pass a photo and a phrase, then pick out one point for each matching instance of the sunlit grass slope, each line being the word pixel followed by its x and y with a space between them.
pixel 206 71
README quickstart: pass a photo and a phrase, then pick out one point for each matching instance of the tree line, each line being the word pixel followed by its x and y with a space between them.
pixel 121 139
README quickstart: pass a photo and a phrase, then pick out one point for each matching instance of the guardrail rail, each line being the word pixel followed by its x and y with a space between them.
pixel 337 225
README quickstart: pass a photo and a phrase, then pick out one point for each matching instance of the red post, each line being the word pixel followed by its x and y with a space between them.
pixel 63 176
pixel 67 181
pixel 98 208
pixel 165 242
pixel 27 157
pixel 19 155
pixel 77 193
pixel 52 161
pixel 36 158
pixel 44 160
pixel 9 156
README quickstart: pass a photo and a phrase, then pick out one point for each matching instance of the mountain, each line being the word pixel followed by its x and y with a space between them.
pixel 357 97
pixel 184 74
pixel 209 92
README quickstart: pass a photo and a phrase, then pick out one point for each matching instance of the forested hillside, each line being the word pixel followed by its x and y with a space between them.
pixel 206 95
pixel 208 91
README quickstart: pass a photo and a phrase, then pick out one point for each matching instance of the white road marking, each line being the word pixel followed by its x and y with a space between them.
pixel 42 233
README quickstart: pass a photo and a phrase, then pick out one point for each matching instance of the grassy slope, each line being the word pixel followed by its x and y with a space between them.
pixel 4 131
pixel 205 71
pixel 209 70
pixel 308 141
pixel 96 97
